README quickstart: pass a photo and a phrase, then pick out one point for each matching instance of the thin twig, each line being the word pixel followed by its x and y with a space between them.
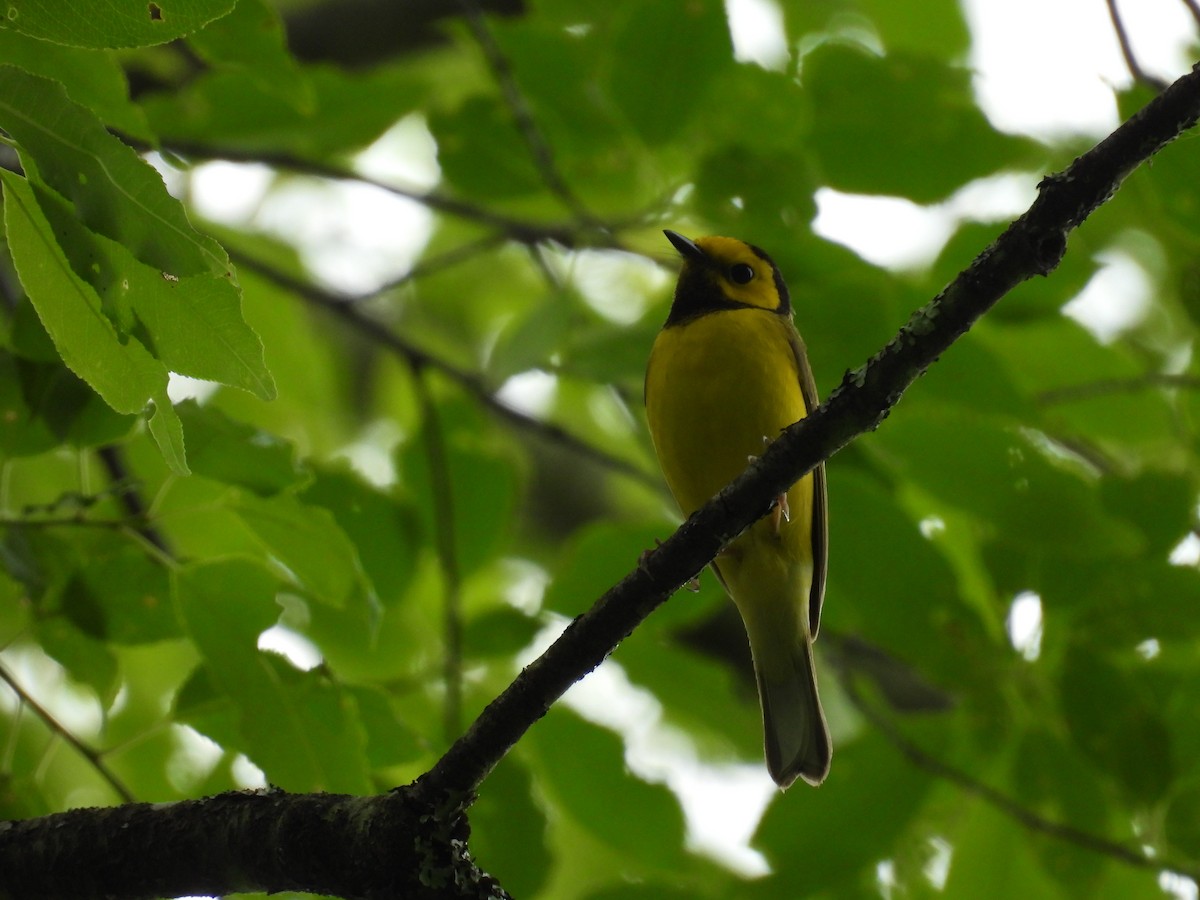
pixel 1006 805
pixel 1108 386
pixel 113 460
pixel 519 230
pixel 1138 73
pixel 434 264
pixel 346 309
pixel 92 756
pixel 442 489
pixel 539 147
pixel 1194 7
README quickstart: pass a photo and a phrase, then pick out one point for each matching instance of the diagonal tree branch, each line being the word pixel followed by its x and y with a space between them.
pixel 520 230
pixel 1027 818
pixel 94 757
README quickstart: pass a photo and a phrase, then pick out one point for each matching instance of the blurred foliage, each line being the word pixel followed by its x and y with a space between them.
pixel 385 474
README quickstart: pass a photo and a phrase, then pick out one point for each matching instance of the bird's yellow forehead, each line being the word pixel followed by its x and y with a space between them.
pixel 725 253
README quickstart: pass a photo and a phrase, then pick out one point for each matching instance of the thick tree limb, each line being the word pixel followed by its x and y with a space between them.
pixel 360 848
pixel 412 842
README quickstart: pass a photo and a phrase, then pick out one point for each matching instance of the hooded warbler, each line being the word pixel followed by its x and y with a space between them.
pixel 727 373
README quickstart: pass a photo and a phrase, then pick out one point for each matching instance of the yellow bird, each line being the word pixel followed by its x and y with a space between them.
pixel 727 373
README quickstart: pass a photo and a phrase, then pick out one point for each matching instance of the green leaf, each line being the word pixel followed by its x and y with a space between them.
pixel 24 432
pixel 112 190
pixel 532 340
pixel 596 559
pixel 1004 480
pixel 382 528
pixel 1182 823
pixel 864 773
pixel 303 731
pixel 864 109
pixel 390 742
pixel 250 39
pixel 119 23
pixel 678 36
pixel 59 407
pixel 127 591
pixel 93 78
pixel 193 324
pixel 993 860
pixel 223 108
pixel 583 766
pixel 308 541
pixel 499 632
pixel 123 373
pixel 932 629
pixel 86 659
pixel 238 454
pixel 482 486
pixel 1113 718
pixel 508 830
pixel 481 152
pixel 940 30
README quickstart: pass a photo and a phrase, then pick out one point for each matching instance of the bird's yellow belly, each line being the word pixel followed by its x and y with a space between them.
pixel 717 388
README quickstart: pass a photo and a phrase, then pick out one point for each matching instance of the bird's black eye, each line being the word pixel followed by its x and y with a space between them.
pixel 741 274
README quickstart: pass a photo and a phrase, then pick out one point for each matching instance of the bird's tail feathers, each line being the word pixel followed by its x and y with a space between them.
pixel 796 736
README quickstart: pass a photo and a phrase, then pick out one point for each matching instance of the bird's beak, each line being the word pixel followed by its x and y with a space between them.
pixel 688 249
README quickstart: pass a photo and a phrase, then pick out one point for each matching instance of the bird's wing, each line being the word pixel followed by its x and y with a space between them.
pixel 820 506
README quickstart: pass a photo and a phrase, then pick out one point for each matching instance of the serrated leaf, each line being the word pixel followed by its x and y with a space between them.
pixel 121 23
pixel 113 191
pixel 123 373
pixel 93 78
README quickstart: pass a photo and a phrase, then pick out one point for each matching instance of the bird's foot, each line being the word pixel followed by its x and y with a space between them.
pixel 780 514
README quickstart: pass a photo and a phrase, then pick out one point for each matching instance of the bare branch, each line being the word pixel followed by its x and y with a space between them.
pixel 94 757
pixel 1108 386
pixel 519 230
pixel 1193 7
pixel 1138 73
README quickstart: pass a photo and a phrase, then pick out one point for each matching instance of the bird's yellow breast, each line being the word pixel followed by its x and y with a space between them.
pixel 716 386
